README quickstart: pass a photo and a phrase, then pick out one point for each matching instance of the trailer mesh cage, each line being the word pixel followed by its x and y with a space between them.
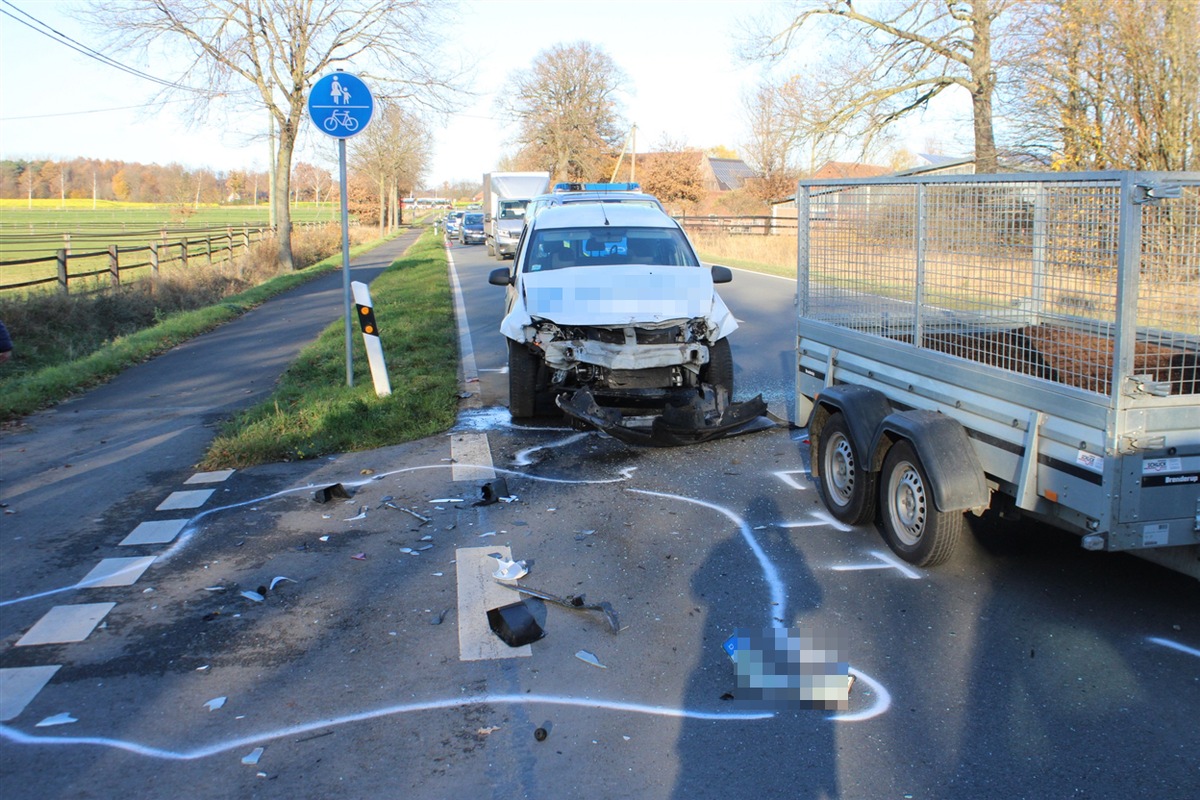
pixel 1086 280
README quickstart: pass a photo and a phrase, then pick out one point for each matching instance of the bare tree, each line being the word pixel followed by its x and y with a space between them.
pixel 396 151
pixel 774 138
pixel 1111 84
pixel 279 48
pixel 672 173
pixel 568 111
pixel 895 63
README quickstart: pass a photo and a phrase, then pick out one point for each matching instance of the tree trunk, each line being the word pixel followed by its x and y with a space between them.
pixel 382 206
pixel 984 77
pixel 282 187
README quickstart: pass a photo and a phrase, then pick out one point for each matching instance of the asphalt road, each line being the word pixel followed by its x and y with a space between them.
pixel 1026 667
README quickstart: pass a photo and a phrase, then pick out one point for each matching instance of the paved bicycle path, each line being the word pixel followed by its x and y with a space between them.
pixel 64 470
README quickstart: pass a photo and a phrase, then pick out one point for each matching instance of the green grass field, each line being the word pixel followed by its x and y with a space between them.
pixel 38 232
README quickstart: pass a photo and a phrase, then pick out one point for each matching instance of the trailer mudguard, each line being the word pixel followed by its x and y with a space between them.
pixel 864 409
pixel 946 454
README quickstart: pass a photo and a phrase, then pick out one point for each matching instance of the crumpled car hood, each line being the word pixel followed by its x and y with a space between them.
pixel 617 296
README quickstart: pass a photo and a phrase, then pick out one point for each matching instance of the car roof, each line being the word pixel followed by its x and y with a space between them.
pixel 574 215
pixel 562 198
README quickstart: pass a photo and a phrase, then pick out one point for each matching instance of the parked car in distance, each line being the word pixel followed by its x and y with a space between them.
pixel 471 228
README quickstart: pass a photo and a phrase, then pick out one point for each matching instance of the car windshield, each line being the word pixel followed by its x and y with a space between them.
pixel 473 219
pixel 559 248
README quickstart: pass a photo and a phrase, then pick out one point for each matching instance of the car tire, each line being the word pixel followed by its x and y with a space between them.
pixel 522 381
pixel 913 527
pixel 845 481
pixel 491 248
pixel 719 369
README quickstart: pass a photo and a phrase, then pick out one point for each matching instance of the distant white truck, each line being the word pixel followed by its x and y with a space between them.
pixel 505 195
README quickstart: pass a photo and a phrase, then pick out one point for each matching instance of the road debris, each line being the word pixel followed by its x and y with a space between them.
pixel 215 703
pixel 253 756
pixel 362 514
pixel 589 658
pixel 573 602
pixel 359 556
pixel 540 734
pixel 336 491
pixel 701 416
pixel 58 719
pixel 255 596
pixel 487 731
pixel 439 617
pixel 514 624
pixel 509 570
pixel 279 579
pixel 493 491
pixel 423 519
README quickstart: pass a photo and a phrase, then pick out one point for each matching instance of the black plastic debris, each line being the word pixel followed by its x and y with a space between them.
pixel 696 416
pixel 493 491
pixel 334 492
pixel 573 602
pixel 540 734
pixel 514 624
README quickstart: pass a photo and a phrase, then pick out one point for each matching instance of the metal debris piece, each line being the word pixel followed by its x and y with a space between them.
pixel 253 756
pixel 489 533
pixel 579 537
pixel 255 596
pixel 424 519
pixel 447 499
pixel 278 579
pixel 573 602
pixel 58 719
pixel 362 514
pixel 359 556
pixel 215 703
pixel 425 547
pixel 336 491
pixel 589 658
pixel 427 538
pixel 540 734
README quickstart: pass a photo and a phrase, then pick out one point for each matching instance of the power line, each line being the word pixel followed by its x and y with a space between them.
pixel 46 30
pixel 95 110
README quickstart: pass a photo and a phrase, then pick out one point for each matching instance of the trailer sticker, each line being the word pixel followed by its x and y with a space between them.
pixel 1158 466
pixel 1156 534
pixel 1089 460
pixel 1192 479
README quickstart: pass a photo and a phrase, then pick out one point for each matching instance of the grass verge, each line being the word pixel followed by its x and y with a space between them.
pixel 313 413
pixel 24 392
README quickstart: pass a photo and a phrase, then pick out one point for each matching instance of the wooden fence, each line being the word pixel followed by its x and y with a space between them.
pixel 739 226
pixel 184 247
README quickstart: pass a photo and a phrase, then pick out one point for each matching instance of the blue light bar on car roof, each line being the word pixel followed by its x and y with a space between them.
pixel 597 187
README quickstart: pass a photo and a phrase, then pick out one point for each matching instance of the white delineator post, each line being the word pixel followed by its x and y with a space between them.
pixel 371 341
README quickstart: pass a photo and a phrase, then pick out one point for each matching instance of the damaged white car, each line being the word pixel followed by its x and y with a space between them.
pixel 609 309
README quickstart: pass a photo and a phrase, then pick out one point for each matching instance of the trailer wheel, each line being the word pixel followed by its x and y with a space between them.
pixel 491 246
pixel 846 483
pixel 912 524
pixel 522 381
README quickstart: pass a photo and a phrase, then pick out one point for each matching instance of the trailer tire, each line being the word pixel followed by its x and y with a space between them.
pixel 522 381
pixel 846 482
pixel 491 246
pixel 719 369
pixel 913 527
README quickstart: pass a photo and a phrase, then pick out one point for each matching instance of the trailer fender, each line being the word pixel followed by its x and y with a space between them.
pixel 945 452
pixel 864 409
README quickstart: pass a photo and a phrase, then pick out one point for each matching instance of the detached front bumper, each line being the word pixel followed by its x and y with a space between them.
pixel 689 417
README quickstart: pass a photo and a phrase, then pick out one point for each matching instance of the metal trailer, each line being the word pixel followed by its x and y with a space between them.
pixel 1026 342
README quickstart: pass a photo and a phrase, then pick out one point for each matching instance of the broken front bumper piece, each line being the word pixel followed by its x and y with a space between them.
pixel 699 416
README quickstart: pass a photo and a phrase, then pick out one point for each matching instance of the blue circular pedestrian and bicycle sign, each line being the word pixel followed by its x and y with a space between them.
pixel 340 105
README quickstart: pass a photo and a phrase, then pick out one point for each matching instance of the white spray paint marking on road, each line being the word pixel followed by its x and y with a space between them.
pixel 521 459
pixel 1183 648
pixel 785 475
pixel 886 561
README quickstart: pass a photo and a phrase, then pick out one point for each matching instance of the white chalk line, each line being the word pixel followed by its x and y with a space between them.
pixel 1183 648
pixel 888 561
pixel 20 737
pixel 521 459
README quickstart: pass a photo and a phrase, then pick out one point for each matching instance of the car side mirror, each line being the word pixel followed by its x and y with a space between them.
pixel 721 274
pixel 499 277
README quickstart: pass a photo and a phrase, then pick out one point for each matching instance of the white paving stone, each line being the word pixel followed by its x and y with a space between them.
pixel 117 572
pixel 155 532
pixel 19 685
pixel 210 477
pixel 192 499
pixel 63 624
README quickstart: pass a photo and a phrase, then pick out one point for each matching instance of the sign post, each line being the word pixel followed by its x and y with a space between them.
pixel 341 105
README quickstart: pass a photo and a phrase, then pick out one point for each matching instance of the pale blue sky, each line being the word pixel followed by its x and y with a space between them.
pixel 684 82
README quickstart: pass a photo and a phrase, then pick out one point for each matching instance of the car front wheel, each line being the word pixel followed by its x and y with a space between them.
pixel 522 381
